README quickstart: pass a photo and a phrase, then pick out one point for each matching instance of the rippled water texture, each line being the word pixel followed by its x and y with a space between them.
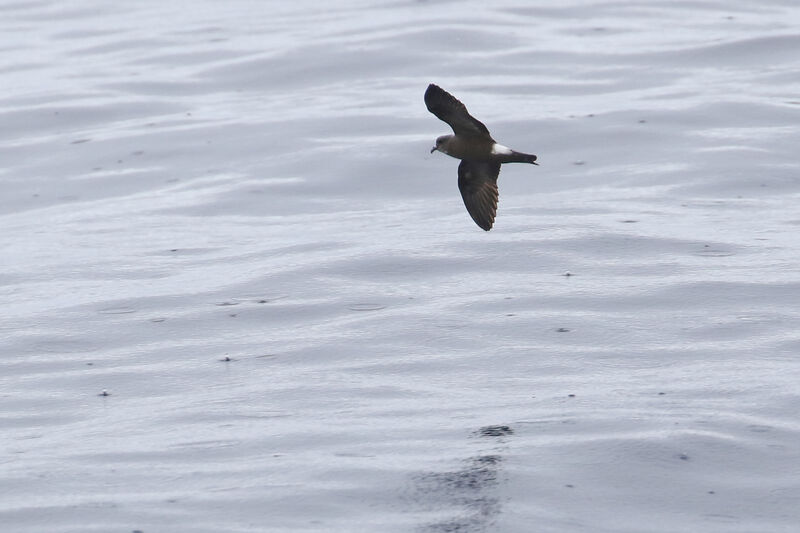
pixel 238 293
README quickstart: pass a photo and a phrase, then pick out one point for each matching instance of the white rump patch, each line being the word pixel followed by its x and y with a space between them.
pixel 498 149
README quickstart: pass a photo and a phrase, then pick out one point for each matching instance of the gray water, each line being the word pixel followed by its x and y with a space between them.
pixel 240 295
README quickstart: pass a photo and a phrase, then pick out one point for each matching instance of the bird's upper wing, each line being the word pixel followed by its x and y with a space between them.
pixel 477 181
pixel 445 106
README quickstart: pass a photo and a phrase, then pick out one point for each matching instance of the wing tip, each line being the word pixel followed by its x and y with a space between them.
pixel 433 95
pixel 432 87
pixel 484 224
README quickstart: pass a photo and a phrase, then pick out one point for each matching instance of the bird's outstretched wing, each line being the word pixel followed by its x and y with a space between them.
pixel 448 109
pixel 477 181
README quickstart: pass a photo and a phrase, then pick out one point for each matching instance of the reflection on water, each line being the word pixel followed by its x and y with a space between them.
pixel 465 498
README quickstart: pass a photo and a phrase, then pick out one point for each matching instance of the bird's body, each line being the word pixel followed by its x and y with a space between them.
pixel 480 155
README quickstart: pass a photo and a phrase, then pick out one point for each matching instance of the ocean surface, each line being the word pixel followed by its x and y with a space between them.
pixel 240 295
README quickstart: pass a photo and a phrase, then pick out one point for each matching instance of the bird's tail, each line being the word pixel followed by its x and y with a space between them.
pixel 519 157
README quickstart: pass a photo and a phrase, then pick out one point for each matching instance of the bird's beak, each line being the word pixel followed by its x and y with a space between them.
pixel 535 163
pixel 433 149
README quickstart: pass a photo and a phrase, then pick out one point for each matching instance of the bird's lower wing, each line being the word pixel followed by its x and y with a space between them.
pixel 477 181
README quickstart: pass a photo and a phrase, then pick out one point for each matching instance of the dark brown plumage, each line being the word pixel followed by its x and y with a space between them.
pixel 450 110
pixel 477 181
pixel 480 155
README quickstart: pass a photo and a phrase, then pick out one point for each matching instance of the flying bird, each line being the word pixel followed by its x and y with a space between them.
pixel 480 155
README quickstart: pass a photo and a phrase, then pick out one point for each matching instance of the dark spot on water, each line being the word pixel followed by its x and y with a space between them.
pixel 579 163
pixel 661 393
pixel 227 359
pixel 80 141
pixel 104 393
pixel 711 492
pixel 119 161
pixel 224 304
pixel 683 457
pixel 269 300
pixel 495 431
pixel 642 121
pixel 590 115
pixel 89 364
pixel 233 315
pixel 629 221
pixel 158 319
pixel 138 152
pixel 570 395
pixel 569 486
pixel 510 314
pixel 562 330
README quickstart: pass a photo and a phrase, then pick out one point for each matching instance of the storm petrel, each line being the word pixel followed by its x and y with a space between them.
pixel 480 155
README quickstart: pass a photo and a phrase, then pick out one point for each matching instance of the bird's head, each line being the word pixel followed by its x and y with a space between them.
pixel 441 144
